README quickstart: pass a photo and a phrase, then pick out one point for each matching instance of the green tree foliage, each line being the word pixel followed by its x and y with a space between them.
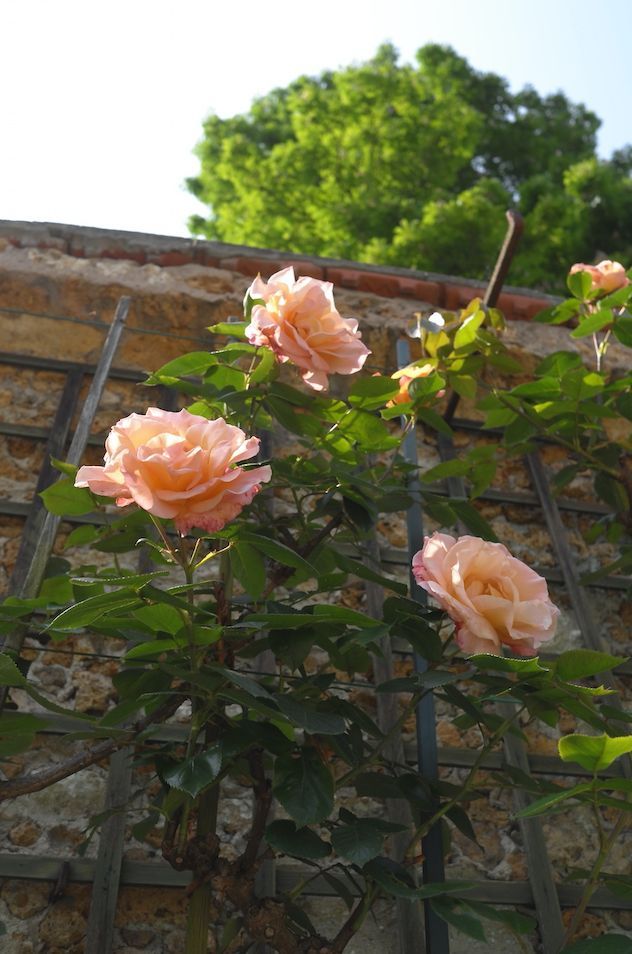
pixel 414 166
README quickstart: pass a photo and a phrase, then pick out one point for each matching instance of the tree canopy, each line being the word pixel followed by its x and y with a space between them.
pixel 414 165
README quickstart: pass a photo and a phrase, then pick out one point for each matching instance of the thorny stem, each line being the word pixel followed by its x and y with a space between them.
pixel 354 922
pixel 198 915
pixel 262 801
pixel 392 733
pixel 533 419
pixel 605 844
pixel 495 737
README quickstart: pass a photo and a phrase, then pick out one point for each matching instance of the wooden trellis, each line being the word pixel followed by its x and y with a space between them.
pixel 110 869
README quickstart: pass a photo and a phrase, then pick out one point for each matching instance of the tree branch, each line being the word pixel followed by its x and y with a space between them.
pixel 36 781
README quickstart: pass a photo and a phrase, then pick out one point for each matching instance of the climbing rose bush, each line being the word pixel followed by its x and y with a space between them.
pixel 259 581
pixel 179 466
pixel 494 599
pixel 299 321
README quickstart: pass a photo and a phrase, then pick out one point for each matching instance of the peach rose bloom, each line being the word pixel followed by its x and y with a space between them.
pixel 179 466
pixel 494 599
pixel 299 321
pixel 607 276
pixel 405 376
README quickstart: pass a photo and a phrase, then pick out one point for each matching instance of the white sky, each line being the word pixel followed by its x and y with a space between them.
pixel 102 102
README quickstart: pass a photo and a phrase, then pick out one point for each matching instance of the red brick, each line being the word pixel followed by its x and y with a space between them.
pixel 202 256
pixel 307 268
pixel 76 250
pixel 115 252
pixel 345 277
pixel 520 307
pixel 458 296
pixel 535 306
pixel 59 244
pixel 171 259
pixel 379 284
pixel 431 292
pixel 253 266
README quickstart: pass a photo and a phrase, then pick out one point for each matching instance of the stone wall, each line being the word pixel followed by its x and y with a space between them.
pixel 58 290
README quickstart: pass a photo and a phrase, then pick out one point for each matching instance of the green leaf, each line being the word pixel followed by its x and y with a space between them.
pixel 473 520
pixel 459 917
pixel 312 720
pixel 397 881
pixel 393 877
pixel 377 785
pixel 57 589
pixel 623 330
pixel 365 573
pixel 160 618
pixel 278 551
pixel 359 842
pixel 235 329
pixel 464 385
pixel 80 536
pixel 557 364
pixel 283 835
pixel 619 885
pixel 20 722
pixel 431 679
pixel 593 752
pixel 542 805
pixel 427 416
pixel 520 923
pixel 624 405
pixel 283 620
pixel 367 430
pixel 265 365
pixel 304 786
pixel 134 581
pixel 611 491
pixel 506 664
pixel 459 817
pixel 466 335
pixel 593 323
pixel 88 611
pixel 247 683
pixel 606 944
pixel 448 468
pixel 579 663
pixel 70 470
pixel 499 417
pixel 17 732
pixel 64 499
pixel 153 647
pixel 195 363
pixel 343 614
pixel 579 284
pixel 10 675
pixel 197 773
pixel 248 567
pixel 372 393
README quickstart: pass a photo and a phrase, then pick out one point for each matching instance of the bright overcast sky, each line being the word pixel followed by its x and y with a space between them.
pixel 102 102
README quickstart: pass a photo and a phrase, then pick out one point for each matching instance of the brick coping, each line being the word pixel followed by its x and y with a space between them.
pixel 443 291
